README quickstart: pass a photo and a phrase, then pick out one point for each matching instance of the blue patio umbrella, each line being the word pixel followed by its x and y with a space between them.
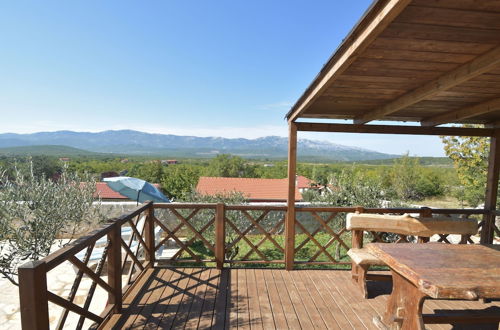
pixel 136 189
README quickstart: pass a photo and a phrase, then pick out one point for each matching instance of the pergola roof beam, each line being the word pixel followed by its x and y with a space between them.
pixel 464 113
pixel 455 77
pixel 394 129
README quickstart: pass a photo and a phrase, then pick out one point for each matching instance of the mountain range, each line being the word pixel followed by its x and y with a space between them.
pixel 129 142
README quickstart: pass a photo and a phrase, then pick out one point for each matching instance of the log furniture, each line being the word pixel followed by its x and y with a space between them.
pixel 438 271
pixel 405 225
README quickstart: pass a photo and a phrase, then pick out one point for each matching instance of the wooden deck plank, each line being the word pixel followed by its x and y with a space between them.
pixel 324 312
pixel 129 299
pixel 276 307
pixel 311 308
pixel 221 303
pixel 321 278
pixel 297 302
pixel 152 318
pixel 207 317
pixel 264 302
pixel 143 307
pixel 243 311
pixel 196 310
pixel 177 295
pixel 328 312
pixel 170 279
pixel 349 292
pixel 187 300
pixel 253 301
pixel 232 321
pixel 197 298
pixel 290 314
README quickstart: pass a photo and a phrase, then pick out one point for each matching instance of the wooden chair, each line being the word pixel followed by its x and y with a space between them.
pixel 404 225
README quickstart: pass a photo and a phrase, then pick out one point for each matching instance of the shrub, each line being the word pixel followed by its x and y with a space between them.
pixel 35 211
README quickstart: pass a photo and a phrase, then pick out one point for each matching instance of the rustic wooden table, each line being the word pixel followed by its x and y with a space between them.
pixel 440 271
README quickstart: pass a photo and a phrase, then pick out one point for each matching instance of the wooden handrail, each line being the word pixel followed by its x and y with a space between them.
pixel 61 255
pixel 319 208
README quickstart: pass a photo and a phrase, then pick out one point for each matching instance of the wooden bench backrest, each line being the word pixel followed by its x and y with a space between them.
pixel 408 225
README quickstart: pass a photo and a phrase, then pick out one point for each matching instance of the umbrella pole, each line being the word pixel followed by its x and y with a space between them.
pixel 138 194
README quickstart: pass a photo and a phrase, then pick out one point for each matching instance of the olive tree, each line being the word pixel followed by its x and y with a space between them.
pixel 470 158
pixel 36 211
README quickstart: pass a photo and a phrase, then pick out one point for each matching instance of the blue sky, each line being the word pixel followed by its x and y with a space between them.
pixel 205 68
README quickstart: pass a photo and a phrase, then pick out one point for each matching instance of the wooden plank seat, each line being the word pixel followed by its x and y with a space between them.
pixel 364 257
pixel 405 225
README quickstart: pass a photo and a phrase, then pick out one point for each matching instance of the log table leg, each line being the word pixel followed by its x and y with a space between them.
pixel 404 306
pixel 361 279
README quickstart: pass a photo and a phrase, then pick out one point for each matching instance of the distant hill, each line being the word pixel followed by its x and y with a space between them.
pixel 145 144
pixel 46 150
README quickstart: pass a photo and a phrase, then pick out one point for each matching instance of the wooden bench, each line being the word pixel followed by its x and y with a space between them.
pixel 406 225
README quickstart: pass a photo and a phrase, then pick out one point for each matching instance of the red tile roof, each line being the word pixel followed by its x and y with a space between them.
pixel 103 191
pixel 303 182
pixel 253 189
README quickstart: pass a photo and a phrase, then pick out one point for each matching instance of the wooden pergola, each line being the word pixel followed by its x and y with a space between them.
pixel 432 62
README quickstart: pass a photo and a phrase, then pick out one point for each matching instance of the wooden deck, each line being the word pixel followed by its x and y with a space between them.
pixel 205 298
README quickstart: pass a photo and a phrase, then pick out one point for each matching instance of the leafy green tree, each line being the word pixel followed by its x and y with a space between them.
pixel 276 170
pixel 35 211
pixel 152 171
pixel 350 187
pixel 404 177
pixel 44 166
pixel 229 166
pixel 41 166
pixel 470 158
pixel 430 183
pixel 179 181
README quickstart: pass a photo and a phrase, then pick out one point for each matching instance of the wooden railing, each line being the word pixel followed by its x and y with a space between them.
pixel 124 260
pixel 249 234
pixel 210 234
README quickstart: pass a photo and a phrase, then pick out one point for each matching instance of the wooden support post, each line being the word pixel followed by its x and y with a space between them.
pixel 33 295
pixel 487 230
pixel 425 212
pixel 115 269
pixel 150 236
pixel 220 236
pixel 290 213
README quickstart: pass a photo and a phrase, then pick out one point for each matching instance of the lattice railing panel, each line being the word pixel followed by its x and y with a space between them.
pixel 321 237
pixel 133 248
pixel 458 239
pixel 185 234
pixel 254 235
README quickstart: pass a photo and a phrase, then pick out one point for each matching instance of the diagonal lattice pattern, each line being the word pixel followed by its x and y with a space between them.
pixel 254 235
pixel 321 237
pixel 190 231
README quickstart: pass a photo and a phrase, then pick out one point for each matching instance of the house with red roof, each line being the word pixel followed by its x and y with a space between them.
pixel 254 189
